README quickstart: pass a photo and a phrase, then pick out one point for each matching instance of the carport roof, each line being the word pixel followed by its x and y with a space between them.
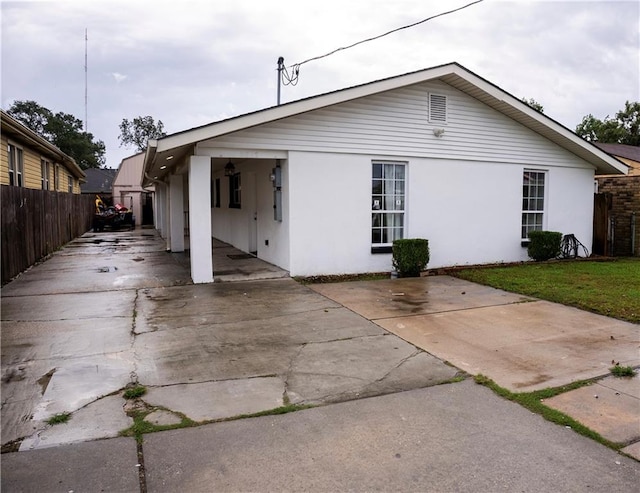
pixel 169 151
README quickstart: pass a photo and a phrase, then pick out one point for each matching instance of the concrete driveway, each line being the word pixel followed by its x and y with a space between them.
pixel 111 309
pixel 522 343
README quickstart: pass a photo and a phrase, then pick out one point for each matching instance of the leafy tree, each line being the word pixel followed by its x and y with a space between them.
pixel 623 129
pixel 534 104
pixel 63 130
pixel 138 132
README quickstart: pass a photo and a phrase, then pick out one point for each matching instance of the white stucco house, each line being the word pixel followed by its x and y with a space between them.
pixel 323 185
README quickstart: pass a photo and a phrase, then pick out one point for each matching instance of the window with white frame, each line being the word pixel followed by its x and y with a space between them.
pixel 45 167
pixel 16 166
pixel 533 203
pixel 387 204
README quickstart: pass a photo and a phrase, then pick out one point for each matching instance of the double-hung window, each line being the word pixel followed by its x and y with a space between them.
pixel 388 187
pixel 16 166
pixel 533 185
pixel 45 168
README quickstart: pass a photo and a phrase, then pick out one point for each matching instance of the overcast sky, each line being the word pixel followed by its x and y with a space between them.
pixel 192 62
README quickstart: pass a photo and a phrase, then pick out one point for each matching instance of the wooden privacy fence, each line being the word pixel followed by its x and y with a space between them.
pixel 36 223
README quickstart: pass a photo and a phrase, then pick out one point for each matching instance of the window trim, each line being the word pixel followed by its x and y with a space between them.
pixel 16 164
pixel 70 183
pixel 56 177
pixel 545 173
pixel 387 247
pixel 45 172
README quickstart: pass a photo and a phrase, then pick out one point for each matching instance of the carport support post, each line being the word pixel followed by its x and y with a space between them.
pixel 200 219
pixel 176 212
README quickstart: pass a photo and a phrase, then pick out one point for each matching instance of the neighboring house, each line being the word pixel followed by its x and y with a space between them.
pixel 325 184
pixel 629 155
pixel 128 189
pixel 617 218
pixel 29 160
pixel 99 182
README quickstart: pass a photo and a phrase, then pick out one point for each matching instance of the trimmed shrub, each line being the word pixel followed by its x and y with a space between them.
pixel 410 256
pixel 544 245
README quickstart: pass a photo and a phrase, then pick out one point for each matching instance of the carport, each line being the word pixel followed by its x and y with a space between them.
pixel 205 193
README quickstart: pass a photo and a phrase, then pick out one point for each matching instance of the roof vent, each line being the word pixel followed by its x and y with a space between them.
pixel 437 108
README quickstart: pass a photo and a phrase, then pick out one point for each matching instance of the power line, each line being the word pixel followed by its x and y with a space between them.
pixel 295 68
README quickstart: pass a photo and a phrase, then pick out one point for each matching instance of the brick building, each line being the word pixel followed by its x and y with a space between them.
pixel 621 196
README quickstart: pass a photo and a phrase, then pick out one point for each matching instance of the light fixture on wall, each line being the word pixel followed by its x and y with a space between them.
pixel 438 132
pixel 229 169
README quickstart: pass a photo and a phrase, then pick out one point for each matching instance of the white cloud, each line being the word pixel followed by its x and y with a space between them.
pixel 118 77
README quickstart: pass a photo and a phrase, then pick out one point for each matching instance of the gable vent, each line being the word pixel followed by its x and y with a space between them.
pixel 437 108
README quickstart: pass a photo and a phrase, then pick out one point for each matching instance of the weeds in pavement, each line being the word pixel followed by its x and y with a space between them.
pixel 59 418
pixel 534 402
pixel 134 392
pixel 140 426
pixel 622 371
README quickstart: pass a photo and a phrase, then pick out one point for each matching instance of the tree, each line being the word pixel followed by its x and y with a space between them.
pixel 534 104
pixel 138 132
pixel 62 130
pixel 623 129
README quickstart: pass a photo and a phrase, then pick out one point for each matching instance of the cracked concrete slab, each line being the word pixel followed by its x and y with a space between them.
pixel 104 418
pixel 341 370
pixel 34 351
pixel 218 400
pixel 83 381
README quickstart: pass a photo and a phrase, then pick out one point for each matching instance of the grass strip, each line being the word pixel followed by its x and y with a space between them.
pixel 608 287
pixel 533 401
pixel 141 427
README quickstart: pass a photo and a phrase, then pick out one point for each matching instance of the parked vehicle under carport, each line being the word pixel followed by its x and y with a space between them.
pixel 114 217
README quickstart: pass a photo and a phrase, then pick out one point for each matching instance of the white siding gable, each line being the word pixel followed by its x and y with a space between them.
pixel 396 123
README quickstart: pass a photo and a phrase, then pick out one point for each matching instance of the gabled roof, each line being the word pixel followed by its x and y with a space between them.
pixel 179 144
pixel 621 150
pixel 11 126
pixel 130 171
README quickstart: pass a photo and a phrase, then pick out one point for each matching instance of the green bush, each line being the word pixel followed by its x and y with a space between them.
pixel 410 256
pixel 544 245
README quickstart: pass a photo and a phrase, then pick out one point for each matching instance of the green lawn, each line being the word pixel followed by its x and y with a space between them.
pixel 609 287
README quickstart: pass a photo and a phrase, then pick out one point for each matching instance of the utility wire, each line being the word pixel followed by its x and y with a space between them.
pixel 293 78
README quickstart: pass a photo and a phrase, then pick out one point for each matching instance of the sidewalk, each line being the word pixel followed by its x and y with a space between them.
pixel 456 437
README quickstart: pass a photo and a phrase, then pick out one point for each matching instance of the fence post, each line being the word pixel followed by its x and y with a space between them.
pixel 633 234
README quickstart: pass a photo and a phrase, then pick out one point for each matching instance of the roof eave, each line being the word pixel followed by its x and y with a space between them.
pixel 42 144
pixel 453 74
